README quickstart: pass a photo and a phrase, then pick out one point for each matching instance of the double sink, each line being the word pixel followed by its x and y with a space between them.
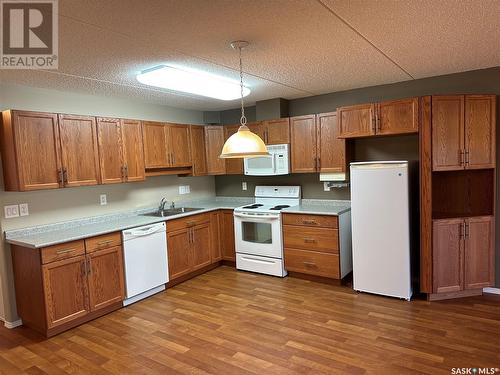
pixel 171 211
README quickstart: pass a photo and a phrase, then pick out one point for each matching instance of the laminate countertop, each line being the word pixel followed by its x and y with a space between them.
pixel 71 230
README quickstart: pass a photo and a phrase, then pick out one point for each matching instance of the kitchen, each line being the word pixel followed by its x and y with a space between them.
pixel 251 302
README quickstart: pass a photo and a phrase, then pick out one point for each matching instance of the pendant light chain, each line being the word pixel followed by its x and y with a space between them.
pixel 243 119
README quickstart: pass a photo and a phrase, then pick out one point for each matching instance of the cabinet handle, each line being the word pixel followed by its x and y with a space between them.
pixel 126 171
pixel 466 230
pixel 103 243
pixel 190 223
pixel 173 158
pixel 309 240
pixel 84 268
pixel 309 222
pixel 467 155
pixel 461 156
pixel 461 231
pixel 310 264
pixel 60 177
pixel 374 120
pixel 192 235
pixel 89 272
pixel 319 164
pixel 65 251
pixel 65 176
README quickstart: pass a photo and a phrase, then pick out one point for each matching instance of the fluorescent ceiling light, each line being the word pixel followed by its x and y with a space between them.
pixel 193 82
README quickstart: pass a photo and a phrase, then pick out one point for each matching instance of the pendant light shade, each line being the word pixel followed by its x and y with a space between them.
pixel 244 143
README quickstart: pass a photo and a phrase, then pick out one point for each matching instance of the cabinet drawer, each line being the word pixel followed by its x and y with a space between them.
pixel 63 251
pixel 307 238
pixel 312 263
pixel 103 242
pixel 187 222
pixel 311 220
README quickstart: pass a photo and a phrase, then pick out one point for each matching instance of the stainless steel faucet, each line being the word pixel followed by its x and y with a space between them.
pixel 163 202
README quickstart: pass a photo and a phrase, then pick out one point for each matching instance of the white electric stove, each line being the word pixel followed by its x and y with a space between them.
pixel 257 226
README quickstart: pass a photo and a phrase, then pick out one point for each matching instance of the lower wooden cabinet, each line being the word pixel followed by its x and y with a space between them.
pixel 227 235
pixel 61 286
pixel 312 245
pixel 189 244
pixel 215 228
pixel 463 254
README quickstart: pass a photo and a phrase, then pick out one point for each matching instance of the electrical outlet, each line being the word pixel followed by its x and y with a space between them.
pixel 243 185
pixel 184 189
pixel 326 186
pixel 103 199
pixel 23 209
pixel 11 211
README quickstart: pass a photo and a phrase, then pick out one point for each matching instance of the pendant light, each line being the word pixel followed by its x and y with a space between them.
pixel 244 143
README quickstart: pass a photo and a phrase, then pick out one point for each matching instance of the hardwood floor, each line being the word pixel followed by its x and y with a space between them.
pixel 228 322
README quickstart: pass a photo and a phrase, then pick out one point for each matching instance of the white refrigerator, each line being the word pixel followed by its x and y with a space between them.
pixel 380 209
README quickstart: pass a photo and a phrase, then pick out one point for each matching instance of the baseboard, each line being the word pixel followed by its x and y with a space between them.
pixel 13 324
pixel 491 290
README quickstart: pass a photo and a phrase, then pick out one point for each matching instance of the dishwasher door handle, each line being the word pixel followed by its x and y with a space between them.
pixel 144 232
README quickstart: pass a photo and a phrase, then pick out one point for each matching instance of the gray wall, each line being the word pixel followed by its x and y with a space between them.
pixel 485 81
pixel 48 206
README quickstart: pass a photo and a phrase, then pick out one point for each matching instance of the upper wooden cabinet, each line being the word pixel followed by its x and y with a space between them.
pixel 331 149
pixel 463 132
pixel 198 150
pixel 257 128
pixel 233 166
pixel 385 118
pixel 304 157
pixel 276 131
pixel 47 151
pixel 166 145
pixel 463 254
pixel 357 120
pixel 121 154
pixel 214 141
pixel 397 117
pixel 315 144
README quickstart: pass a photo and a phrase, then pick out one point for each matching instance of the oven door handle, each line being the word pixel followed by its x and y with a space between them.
pixel 257 217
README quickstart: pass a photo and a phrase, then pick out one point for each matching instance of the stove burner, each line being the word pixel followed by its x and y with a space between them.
pixel 279 207
pixel 253 206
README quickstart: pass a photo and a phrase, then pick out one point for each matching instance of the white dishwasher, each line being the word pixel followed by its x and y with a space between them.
pixel 146 261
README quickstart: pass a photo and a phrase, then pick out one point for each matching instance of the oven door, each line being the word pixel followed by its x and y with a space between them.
pixel 260 166
pixel 258 234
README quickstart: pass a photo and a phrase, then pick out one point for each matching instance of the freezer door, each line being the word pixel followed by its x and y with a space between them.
pixel 381 228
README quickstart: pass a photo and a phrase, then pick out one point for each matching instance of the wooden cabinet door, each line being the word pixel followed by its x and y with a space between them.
pixel 198 150
pixel 133 150
pixel 179 252
pixel 216 248
pixel 105 273
pixel 155 145
pixel 448 255
pixel 397 117
pixel 303 144
pixel 227 235
pixel 109 135
pixel 79 150
pixel 331 150
pixel 233 166
pixel 179 145
pixel 448 133
pixel 37 150
pixel 277 131
pixel 214 141
pixel 66 290
pixel 257 128
pixel 480 128
pixel 356 121
pixel 480 252
pixel 201 243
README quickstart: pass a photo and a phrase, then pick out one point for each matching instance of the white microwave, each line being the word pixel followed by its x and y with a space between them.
pixel 278 162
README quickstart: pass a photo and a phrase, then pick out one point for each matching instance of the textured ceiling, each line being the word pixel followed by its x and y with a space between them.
pixel 298 47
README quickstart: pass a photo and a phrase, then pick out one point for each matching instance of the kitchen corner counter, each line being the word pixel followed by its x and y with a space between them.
pixel 320 207
pixel 71 230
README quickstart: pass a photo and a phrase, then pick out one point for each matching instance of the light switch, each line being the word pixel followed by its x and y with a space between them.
pixel 23 209
pixel 243 185
pixel 103 199
pixel 326 186
pixel 184 189
pixel 11 211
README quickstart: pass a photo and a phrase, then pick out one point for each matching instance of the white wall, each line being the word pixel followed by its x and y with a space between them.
pixel 48 206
